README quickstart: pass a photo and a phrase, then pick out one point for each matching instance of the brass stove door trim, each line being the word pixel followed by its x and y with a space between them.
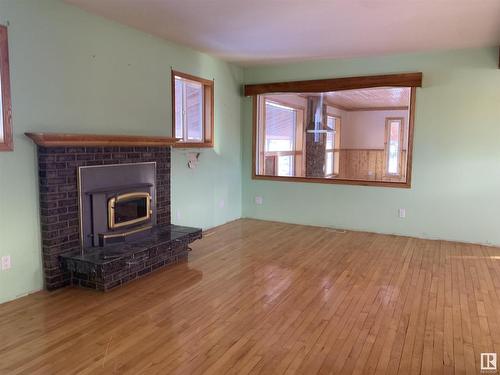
pixel 124 197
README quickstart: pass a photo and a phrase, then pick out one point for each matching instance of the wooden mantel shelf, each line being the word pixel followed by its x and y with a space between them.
pixel 62 139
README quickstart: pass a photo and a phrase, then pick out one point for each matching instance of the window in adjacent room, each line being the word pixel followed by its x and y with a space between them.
pixel 6 143
pixel 361 136
pixel 281 141
pixel 193 108
pixel 393 145
pixel 332 160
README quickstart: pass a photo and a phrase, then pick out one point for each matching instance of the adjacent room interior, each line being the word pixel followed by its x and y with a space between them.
pixel 265 187
pixel 345 135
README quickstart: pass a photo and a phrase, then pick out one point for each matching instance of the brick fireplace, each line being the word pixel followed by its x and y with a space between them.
pixel 66 258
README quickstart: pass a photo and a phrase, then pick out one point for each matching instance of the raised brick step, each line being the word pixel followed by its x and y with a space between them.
pixel 106 268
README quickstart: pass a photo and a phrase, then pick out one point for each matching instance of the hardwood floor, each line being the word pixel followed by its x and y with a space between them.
pixel 272 298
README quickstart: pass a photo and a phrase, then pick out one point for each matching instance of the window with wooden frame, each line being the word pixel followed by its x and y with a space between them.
pixel 6 143
pixel 280 137
pixel 332 154
pixel 297 130
pixel 193 110
pixel 393 145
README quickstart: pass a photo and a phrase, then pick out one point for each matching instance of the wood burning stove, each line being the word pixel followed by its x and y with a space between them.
pixel 117 202
pixel 129 209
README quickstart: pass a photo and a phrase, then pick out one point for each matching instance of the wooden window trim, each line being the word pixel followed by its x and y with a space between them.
pixel 336 146
pixel 7 144
pixel 388 120
pixel 337 84
pixel 338 181
pixel 299 163
pixel 208 111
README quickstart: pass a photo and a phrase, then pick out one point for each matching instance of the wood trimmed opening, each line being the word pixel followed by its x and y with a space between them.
pixel 402 179
pixel 6 137
pixel 192 110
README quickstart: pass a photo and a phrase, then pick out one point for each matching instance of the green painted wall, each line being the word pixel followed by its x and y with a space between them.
pixel 75 72
pixel 456 165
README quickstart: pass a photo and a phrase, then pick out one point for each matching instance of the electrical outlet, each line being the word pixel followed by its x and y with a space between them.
pixel 402 213
pixel 6 262
pixel 222 203
pixel 259 200
pixel 178 215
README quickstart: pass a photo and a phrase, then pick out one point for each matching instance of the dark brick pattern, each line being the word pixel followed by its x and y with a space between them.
pixel 134 261
pixel 60 226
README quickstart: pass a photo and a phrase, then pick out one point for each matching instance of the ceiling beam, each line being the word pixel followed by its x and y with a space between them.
pixel 337 84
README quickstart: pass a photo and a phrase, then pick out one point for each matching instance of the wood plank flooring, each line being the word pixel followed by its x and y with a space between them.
pixel 259 297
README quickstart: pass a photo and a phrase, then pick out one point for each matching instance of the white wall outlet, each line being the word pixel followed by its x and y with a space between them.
pixel 6 262
pixel 178 215
pixel 402 213
pixel 259 200
pixel 222 203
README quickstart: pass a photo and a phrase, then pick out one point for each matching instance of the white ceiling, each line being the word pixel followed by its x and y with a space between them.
pixel 263 31
pixel 380 97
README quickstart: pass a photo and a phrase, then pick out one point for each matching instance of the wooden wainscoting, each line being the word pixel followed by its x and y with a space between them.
pixel 366 164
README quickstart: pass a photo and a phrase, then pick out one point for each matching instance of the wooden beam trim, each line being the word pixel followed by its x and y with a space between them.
pixel 339 181
pixel 7 144
pixel 191 77
pixel 62 139
pixel 337 84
